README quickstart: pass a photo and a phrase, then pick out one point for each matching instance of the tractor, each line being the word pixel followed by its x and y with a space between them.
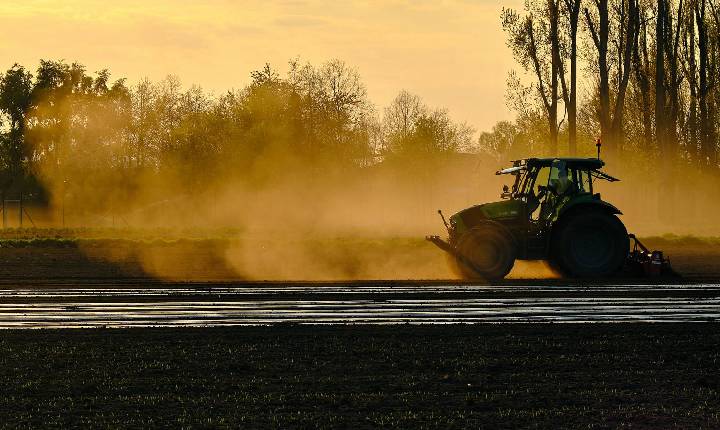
pixel 551 213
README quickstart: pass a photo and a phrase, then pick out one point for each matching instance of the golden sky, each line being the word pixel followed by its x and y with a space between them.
pixel 450 52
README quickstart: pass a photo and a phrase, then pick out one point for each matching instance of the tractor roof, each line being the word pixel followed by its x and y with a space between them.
pixel 593 164
pixel 583 163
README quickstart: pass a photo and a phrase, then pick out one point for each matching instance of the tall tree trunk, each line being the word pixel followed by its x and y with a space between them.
pixel 713 105
pixel 600 39
pixel 629 45
pixel 641 68
pixel 713 69
pixel 707 146
pixel 672 38
pixel 555 68
pixel 660 78
pixel 611 122
pixel 603 33
pixel 693 121
pixel 573 7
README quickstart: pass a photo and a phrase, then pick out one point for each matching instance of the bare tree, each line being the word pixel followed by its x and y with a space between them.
pixel 619 48
pixel 642 67
pixel 660 117
pixel 673 77
pixel 15 91
pixel 402 114
pixel 708 148
pixel 535 38
pixel 572 12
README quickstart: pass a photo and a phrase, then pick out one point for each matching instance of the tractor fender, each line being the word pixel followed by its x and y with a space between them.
pixel 589 205
pixel 498 226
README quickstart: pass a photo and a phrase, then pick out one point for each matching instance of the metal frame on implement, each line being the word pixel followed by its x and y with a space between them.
pixel 642 261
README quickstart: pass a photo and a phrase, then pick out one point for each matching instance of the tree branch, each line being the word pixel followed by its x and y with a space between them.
pixel 593 31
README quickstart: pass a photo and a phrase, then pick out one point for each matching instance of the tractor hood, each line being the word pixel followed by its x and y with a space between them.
pixel 502 210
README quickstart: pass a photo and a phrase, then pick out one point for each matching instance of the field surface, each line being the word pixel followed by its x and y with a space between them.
pixel 218 342
pixel 114 255
pixel 643 376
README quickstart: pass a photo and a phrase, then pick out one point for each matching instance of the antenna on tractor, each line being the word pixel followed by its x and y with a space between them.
pixel 443 218
pixel 598 144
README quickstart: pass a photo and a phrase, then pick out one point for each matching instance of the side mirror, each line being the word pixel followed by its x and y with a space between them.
pixel 506 192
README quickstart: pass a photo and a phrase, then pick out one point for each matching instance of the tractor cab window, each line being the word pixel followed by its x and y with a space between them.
pixel 582 179
pixel 524 183
pixel 560 181
pixel 541 180
pixel 536 179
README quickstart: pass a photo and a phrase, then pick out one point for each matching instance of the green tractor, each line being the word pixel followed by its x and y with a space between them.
pixel 551 213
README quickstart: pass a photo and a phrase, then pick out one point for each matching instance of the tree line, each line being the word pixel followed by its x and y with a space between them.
pixel 65 130
pixel 640 75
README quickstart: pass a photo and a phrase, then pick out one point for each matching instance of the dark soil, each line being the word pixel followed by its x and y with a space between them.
pixel 181 260
pixel 485 376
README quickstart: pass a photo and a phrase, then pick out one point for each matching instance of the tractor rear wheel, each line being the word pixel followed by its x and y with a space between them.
pixel 486 251
pixel 590 244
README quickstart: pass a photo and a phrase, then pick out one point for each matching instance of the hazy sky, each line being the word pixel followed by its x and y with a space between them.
pixel 450 52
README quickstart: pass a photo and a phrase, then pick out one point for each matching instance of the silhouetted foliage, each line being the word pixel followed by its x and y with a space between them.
pixel 415 133
pixel 15 98
pixel 88 133
pixel 652 69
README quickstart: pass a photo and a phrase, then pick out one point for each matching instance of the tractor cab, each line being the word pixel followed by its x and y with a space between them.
pixel 546 187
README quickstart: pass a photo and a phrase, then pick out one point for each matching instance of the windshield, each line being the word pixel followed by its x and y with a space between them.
pixel 541 180
pixel 583 180
pixel 530 181
pixel 523 180
pixel 521 176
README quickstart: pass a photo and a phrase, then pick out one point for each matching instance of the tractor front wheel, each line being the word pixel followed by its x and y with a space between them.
pixel 590 244
pixel 486 251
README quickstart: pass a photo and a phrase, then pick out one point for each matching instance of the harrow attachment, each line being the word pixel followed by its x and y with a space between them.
pixel 643 262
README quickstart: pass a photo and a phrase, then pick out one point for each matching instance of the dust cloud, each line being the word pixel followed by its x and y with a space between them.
pixel 280 215
pixel 300 226
pixel 329 227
